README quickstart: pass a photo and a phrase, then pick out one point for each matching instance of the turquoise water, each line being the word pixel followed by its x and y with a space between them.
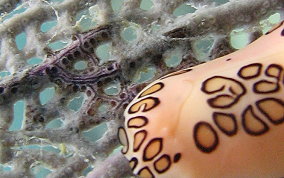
pixel 129 34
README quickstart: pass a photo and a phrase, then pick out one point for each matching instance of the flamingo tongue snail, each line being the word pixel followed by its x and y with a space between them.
pixel 224 118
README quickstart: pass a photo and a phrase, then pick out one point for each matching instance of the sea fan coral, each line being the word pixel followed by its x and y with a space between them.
pixel 74 132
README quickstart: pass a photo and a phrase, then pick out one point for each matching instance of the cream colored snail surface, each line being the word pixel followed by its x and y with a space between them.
pixel 224 118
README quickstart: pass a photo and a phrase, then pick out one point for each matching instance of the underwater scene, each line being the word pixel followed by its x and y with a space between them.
pixel 141 88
